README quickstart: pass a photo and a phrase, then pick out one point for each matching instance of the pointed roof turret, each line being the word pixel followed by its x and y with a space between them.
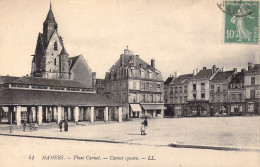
pixel 50 17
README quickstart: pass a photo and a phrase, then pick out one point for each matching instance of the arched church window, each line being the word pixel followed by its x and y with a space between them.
pixel 55 45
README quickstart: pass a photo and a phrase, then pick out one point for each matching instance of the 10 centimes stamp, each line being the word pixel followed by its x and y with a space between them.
pixel 241 22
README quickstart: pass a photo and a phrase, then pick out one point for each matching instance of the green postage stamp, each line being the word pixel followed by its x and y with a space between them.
pixel 241 22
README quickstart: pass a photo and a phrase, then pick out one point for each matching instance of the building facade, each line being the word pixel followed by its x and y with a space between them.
pixel 219 92
pixel 176 95
pixel 236 94
pixel 136 84
pixel 252 85
pixel 199 91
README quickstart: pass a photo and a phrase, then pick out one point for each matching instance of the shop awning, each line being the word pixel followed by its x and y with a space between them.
pixel 136 107
pixel 153 106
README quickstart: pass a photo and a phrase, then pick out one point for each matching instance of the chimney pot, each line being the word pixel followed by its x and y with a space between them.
pixel 153 63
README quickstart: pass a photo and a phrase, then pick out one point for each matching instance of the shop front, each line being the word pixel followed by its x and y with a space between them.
pixel 219 109
pixel 153 109
pixel 198 109
pixel 135 111
pixel 237 109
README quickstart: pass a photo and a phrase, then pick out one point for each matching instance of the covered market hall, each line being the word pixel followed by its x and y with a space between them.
pixel 37 100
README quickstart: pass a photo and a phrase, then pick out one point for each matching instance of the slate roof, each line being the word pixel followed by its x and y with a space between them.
pixel 203 74
pixel 222 76
pixel 73 60
pixel 181 79
pixel 138 62
pixel 46 82
pixel 256 67
pixel 32 97
pixel 50 17
pixel 7 79
pixel 239 77
pixel 168 80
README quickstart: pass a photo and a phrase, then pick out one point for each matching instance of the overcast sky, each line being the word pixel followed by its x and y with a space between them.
pixel 179 35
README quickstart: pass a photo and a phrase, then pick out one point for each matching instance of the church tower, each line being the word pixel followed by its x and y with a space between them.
pixel 51 59
pixel 49 25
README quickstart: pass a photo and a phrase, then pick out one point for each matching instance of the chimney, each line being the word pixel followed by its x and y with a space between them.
pixel 243 69
pixel 153 63
pixel 204 68
pixel 194 72
pixel 223 68
pixel 235 69
pixel 93 79
pixel 214 69
pixel 176 74
pixel 197 70
pixel 250 66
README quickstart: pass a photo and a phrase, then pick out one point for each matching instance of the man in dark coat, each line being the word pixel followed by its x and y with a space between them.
pixel 60 126
pixel 66 126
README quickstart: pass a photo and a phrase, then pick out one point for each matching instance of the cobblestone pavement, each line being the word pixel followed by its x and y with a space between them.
pixel 238 132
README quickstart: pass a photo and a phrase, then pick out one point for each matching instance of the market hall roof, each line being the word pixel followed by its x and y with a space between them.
pixel 42 82
pixel 50 98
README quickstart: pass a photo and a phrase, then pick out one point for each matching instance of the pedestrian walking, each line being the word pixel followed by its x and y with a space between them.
pixel 66 126
pixel 24 126
pixel 144 125
pixel 60 126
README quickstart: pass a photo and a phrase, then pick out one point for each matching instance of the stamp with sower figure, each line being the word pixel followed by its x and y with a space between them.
pixel 241 21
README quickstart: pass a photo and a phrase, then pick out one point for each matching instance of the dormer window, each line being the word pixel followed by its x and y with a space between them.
pixel 55 45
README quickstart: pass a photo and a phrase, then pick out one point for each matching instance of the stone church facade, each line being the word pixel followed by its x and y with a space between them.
pixel 51 59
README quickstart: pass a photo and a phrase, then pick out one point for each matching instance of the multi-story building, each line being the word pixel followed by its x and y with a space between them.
pixel 136 84
pixel 219 92
pixel 198 91
pixel 177 94
pixel 252 85
pixel 236 94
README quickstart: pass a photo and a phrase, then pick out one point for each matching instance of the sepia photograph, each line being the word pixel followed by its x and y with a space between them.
pixel 129 83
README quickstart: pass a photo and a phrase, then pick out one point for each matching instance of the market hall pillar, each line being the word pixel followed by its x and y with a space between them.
pixel 92 114
pixel 18 115
pixel 76 114
pixel 59 114
pixel 106 114
pixel 39 115
pixel 120 114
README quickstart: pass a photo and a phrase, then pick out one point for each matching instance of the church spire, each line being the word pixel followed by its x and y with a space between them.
pixel 49 25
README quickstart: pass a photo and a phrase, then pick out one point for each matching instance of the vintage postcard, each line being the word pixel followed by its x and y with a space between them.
pixel 129 83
